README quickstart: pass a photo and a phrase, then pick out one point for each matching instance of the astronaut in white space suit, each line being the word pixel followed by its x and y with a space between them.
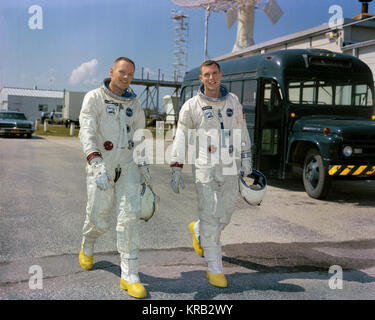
pixel 109 117
pixel 217 117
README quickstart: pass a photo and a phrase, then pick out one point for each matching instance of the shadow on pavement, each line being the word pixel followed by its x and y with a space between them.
pixel 270 265
pixel 360 192
pixel 34 137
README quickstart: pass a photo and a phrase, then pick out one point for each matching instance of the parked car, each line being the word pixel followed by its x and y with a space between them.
pixel 15 123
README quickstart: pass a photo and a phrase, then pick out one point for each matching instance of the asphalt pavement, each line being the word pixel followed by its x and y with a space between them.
pixel 292 247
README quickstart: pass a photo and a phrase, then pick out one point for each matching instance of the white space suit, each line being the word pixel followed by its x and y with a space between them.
pixel 216 188
pixel 108 122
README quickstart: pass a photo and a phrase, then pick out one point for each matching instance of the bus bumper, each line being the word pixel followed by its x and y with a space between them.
pixel 360 171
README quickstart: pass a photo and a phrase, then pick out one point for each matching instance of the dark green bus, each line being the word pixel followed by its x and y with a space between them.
pixel 312 109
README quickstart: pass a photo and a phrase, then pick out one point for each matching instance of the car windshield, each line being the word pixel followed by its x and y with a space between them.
pixel 8 115
pixel 322 92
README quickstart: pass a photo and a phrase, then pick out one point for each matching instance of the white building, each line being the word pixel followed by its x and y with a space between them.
pixel 355 37
pixel 32 102
pixel 171 109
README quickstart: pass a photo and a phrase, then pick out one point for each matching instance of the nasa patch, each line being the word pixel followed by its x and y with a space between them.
pixel 209 114
pixel 129 112
pixel 111 110
pixel 229 112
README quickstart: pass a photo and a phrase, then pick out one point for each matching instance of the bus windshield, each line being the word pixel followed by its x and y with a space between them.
pixel 322 92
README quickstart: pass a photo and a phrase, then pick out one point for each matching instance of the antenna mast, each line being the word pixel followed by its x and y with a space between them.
pixel 241 11
pixel 180 44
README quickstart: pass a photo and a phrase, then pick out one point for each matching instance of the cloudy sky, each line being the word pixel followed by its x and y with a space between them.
pixel 72 44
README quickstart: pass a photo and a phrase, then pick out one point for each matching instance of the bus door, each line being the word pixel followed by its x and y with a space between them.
pixel 268 130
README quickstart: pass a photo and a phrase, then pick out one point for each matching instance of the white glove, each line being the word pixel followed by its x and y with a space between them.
pixel 100 173
pixel 176 180
pixel 246 166
pixel 145 175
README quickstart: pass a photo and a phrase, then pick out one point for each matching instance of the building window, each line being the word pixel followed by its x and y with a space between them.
pixel 43 107
pixel 59 108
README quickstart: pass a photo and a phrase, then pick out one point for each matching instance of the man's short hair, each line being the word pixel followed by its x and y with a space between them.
pixel 209 63
pixel 125 59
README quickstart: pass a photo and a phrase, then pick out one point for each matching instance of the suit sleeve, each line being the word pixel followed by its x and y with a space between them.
pixel 180 141
pixel 88 120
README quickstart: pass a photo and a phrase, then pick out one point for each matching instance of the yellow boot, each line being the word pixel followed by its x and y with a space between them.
pixel 86 262
pixel 196 245
pixel 217 279
pixel 136 290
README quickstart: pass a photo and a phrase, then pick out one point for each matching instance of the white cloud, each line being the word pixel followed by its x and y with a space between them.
pixel 149 72
pixel 85 70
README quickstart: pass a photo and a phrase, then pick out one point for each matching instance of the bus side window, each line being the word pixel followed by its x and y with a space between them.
pixel 248 103
pixel 249 92
pixel 236 88
pixel 194 91
pixel 370 100
pixel 362 95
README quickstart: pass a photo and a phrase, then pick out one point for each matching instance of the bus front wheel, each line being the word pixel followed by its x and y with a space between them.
pixel 315 177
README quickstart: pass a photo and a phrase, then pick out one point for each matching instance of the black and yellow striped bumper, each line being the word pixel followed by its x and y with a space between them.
pixel 352 170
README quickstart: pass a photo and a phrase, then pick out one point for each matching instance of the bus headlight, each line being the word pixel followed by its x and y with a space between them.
pixel 347 151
